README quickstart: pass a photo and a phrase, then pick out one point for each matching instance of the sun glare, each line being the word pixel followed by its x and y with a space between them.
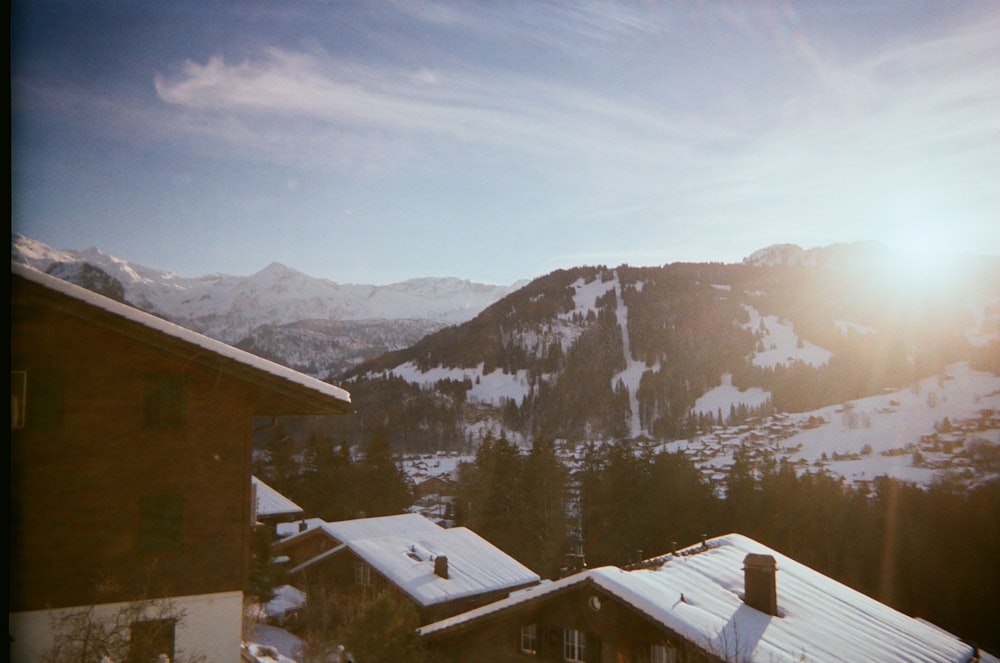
pixel 921 261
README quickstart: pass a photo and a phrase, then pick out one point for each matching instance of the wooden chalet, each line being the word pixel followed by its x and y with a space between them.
pixel 727 599
pixel 273 508
pixel 440 571
pixel 131 466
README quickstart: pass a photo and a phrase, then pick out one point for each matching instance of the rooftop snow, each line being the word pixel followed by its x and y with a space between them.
pixel 698 596
pixel 475 566
pixel 403 549
pixel 410 524
pixel 272 503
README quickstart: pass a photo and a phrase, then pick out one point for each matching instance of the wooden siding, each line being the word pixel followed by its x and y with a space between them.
pixel 80 477
pixel 614 632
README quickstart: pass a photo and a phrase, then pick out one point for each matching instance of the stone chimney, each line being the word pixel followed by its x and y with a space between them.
pixel 441 566
pixel 761 588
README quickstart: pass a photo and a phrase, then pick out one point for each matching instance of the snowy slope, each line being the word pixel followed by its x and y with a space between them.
pixel 901 434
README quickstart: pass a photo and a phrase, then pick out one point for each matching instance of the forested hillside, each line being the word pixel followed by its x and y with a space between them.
pixel 597 353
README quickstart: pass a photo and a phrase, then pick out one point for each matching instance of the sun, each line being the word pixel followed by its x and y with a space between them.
pixel 921 260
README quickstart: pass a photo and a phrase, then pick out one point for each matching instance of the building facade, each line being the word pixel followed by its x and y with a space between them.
pixel 131 467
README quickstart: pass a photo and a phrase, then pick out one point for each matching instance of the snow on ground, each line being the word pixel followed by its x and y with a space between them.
pixel 726 396
pixel 425 466
pixel 587 293
pixel 632 375
pixel 497 386
pixel 271 644
pixel 286 599
pixel 845 328
pixel 986 323
pixel 492 388
pixel 890 422
pixel 782 344
pixel 868 437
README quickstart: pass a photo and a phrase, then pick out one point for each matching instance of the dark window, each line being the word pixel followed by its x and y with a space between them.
pixel 161 523
pixel 36 399
pixel 149 639
pixel 164 403
pixel 18 397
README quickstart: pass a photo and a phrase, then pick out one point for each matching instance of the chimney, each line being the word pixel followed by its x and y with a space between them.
pixel 441 566
pixel 761 590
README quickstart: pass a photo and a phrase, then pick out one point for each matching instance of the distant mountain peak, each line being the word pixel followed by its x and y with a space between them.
pixel 235 309
pixel 833 255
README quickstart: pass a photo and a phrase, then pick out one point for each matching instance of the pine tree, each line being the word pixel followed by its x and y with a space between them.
pixel 381 479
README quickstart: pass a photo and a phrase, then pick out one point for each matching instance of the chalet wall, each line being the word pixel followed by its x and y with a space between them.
pixel 211 627
pixel 306 546
pixel 614 632
pixel 79 478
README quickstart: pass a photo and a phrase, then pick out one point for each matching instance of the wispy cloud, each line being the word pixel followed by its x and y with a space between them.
pixel 526 116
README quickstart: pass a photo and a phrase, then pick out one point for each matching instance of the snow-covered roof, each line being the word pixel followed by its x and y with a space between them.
pixel 698 596
pixel 176 331
pixel 272 503
pixel 403 548
pixel 346 531
pixel 291 530
pixel 475 566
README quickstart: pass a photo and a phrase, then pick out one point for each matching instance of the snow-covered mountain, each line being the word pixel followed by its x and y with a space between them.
pixel 835 255
pixel 311 324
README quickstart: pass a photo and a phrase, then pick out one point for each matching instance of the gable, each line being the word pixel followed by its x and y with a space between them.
pixel 42 305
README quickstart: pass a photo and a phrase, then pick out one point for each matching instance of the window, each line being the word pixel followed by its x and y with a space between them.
pixel 36 399
pixel 660 653
pixel 529 639
pixel 149 639
pixel 363 574
pixel 164 401
pixel 161 523
pixel 574 644
pixel 18 397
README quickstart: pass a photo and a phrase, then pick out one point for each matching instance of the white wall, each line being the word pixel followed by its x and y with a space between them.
pixel 211 628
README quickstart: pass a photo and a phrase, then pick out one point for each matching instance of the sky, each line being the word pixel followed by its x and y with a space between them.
pixel 373 142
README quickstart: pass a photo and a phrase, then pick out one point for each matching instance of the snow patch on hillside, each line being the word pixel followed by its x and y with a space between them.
pixel 985 327
pixel 781 345
pixel 726 396
pixel 587 293
pixel 846 328
pixel 492 388
pixel 866 438
pixel 632 375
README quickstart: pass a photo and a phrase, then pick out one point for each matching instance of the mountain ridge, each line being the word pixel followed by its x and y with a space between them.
pixel 813 352
pixel 244 311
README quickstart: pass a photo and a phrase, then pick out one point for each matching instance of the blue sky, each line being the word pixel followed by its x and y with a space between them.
pixel 371 142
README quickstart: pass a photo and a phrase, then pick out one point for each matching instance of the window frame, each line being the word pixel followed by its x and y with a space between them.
pixel 529 639
pixel 662 652
pixel 363 574
pixel 18 399
pixel 574 645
